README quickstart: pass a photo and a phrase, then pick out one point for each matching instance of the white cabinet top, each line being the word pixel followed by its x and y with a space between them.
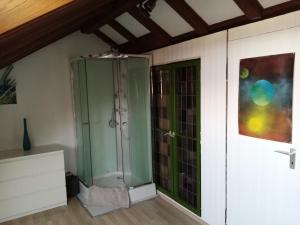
pixel 17 153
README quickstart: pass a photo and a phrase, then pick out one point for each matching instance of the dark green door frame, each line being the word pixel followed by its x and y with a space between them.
pixel 174 192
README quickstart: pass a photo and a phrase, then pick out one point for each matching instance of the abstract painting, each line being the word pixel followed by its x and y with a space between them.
pixel 265 97
pixel 7 88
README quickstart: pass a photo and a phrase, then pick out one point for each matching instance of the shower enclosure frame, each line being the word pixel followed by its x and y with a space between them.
pixel 149 57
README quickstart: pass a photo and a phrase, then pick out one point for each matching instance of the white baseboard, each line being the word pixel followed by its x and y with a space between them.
pixel 181 208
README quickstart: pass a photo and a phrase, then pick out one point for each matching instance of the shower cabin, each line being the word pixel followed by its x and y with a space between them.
pixel 113 124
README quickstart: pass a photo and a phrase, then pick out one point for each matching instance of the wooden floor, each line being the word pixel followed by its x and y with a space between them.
pixel 152 212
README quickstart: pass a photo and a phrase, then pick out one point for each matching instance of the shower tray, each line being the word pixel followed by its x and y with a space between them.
pixel 136 195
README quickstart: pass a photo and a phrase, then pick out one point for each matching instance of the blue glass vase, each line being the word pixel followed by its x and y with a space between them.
pixel 26 140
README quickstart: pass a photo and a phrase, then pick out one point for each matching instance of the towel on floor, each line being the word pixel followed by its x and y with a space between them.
pixel 100 196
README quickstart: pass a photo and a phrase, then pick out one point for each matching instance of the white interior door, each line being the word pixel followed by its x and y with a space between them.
pixel 262 189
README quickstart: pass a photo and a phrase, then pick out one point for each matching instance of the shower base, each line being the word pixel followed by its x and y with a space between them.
pixel 136 194
pixel 116 179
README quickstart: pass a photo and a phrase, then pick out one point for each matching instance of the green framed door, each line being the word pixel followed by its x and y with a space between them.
pixel 183 133
pixel 161 111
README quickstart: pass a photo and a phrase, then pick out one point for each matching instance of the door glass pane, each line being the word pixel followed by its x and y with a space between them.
pixel 139 121
pixel 100 85
pixel 161 122
pixel 84 169
pixel 186 130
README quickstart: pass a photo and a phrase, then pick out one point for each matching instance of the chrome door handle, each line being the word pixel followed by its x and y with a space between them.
pixel 170 134
pixel 291 154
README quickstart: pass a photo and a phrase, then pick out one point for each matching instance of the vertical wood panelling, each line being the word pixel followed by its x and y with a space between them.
pixel 212 51
pixel 266 26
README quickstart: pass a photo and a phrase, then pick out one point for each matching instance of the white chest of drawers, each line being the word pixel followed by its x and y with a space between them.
pixel 31 181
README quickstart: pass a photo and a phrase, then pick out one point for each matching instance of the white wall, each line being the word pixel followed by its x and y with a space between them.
pixel 44 96
pixel 212 51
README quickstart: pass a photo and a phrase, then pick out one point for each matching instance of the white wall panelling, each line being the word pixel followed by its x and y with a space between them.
pixel 113 34
pixel 266 26
pixel 169 19
pixel 214 11
pixel 269 3
pixel 131 24
pixel 212 51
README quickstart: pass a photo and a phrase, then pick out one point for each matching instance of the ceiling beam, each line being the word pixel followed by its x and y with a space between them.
pixel 155 29
pixel 228 24
pixel 98 21
pixel 282 8
pixel 145 43
pixel 106 39
pixel 122 30
pixel 189 15
pixel 252 8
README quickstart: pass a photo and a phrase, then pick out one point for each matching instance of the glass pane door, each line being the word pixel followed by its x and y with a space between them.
pixel 187 128
pixel 176 131
pixel 161 125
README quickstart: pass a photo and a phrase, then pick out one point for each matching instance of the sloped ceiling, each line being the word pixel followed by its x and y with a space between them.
pixel 121 24
pixel 14 13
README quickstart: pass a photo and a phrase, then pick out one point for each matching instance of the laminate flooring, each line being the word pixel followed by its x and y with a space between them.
pixel 151 212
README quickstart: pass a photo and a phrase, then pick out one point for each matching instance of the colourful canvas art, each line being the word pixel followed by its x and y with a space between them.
pixel 7 87
pixel 265 97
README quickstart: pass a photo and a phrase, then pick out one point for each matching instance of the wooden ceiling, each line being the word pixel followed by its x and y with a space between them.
pixel 39 23
pixel 14 13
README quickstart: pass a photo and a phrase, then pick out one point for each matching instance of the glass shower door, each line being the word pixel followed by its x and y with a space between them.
pixel 104 161
pixel 135 73
pixel 84 165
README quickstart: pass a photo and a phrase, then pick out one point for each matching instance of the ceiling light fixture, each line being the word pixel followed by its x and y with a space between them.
pixel 147 7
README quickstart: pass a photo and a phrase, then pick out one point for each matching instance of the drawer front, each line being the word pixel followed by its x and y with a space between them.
pixel 24 167
pixel 28 185
pixel 28 203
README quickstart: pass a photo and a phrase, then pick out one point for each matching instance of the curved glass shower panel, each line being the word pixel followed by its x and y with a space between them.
pixel 139 122
pixel 100 83
pixel 83 151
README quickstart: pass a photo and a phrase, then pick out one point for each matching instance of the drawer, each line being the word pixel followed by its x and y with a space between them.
pixel 30 166
pixel 27 204
pixel 28 185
